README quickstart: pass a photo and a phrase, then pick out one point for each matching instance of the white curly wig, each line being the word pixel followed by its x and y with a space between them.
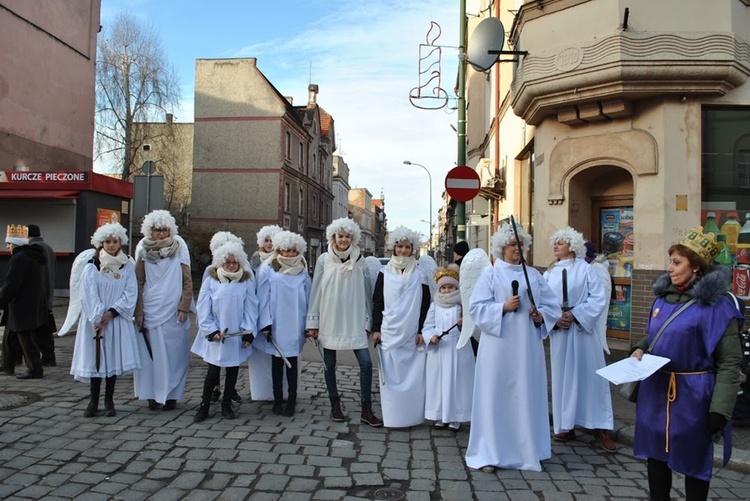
pixel 285 240
pixel 400 234
pixel 109 230
pixel 159 219
pixel 267 231
pixel 574 239
pixel 344 225
pixel 504 235
pixel 230 248
pixel 222 237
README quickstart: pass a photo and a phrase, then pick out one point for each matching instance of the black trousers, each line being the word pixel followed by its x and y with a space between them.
pixel 27 342
pixel 46 342
pixel 212 380
pixel 277 376
pixel 660 483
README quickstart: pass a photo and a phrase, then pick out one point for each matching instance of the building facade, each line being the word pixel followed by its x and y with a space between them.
pixel 257 159
pixel 340 188
pixel 360 208
pixel 631 127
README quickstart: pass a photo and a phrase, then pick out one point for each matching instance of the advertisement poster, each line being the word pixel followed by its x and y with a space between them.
pixel 104 216
pixel 619 310
pixel 617 240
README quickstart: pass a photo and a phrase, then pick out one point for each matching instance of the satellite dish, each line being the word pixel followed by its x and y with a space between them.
pixel 488 35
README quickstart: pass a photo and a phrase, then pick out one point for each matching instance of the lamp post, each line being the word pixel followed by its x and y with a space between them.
pixel 408 162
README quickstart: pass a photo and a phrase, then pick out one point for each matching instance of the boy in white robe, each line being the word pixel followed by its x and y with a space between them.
pixel 449 371
pixel 400 303
pixel 284 291
pixel 579 396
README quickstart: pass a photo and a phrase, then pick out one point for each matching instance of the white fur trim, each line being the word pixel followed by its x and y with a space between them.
pixel 344 224
pixel 231 248
pixel 400 234
pixel 222 237
pixel 109 230
pixel 285 240
pixel 267 231
pixel 504 235
pixel 158 219
pixel 573 238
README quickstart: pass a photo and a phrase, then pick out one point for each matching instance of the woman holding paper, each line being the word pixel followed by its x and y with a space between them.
pixel 681 406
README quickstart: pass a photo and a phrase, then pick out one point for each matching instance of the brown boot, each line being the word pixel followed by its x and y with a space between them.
pixel 369 417
pixel 336 413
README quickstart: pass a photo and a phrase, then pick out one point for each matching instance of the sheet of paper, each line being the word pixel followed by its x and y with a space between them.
pixel 630 369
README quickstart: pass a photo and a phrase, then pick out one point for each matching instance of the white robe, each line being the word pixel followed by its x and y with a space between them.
pixel 402 385
pixel 164 377
pixel 601 324
pixel 449 372
pixel 232 306
pixel 119 348
pixel 580 397
pixel 340 304
pixel 283 306
pixel 510 413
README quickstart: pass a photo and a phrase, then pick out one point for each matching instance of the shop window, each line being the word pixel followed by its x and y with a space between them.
pixel 743 169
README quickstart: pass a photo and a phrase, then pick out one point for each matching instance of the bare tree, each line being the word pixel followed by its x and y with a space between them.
pixel 135 83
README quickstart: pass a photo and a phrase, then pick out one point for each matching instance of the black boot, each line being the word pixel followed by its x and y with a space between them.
pixel 202 412
pixel 277 379
pixel 109 391
pixel 337 414
pixel 278 407
pixel 226 409
pixel 290 404
pixel 369 417
pixel 93 408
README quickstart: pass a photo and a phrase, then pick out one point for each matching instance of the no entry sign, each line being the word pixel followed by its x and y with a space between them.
pixel 462 183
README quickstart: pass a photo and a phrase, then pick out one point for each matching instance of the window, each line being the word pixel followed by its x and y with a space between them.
pixel 314 162
pixel 314 207
pixel 287 197
pixel 301 204
pixel 301 156
pixel 743 169
pixel 288 145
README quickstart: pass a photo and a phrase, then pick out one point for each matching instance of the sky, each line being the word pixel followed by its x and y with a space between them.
pixel 365 58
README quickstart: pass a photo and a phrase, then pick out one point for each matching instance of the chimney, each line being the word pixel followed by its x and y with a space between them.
pixel 290 99
pixel 169 118
pixel 312 92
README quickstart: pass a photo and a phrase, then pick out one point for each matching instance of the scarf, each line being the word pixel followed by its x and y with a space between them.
pixel 108 265
pixel 154 250
pixel 264 255
pixel 229 276
pixel 291 265
pixel 399 264
pixel 347 259
pixel 449 299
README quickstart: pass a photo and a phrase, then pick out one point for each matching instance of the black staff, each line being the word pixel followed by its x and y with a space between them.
pixel 523 265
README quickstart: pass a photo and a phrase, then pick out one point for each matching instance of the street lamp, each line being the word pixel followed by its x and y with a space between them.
pixel 408 162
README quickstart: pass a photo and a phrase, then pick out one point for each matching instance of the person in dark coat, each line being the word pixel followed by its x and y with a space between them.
pixel 45 335
pixel 459 251
pixel 24 299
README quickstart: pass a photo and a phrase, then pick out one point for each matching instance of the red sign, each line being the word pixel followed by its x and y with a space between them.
pixel 462 183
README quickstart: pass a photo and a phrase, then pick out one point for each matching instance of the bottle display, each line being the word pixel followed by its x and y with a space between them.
pixel 743 238
pixel 725 257
pixel 710 225
pixel 741 274
pixel 731 228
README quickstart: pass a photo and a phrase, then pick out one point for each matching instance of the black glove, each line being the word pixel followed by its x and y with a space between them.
pixel 267 332
pixel 248 338
pixel 210 337
pixel 716 422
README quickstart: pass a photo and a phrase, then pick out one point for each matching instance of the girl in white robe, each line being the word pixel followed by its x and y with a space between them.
pixel 165 294
pixel 284 290
pixel 227 303
pixel 259 363
pixel 108 291
pixel 449 371
pixel 400 303
pixel 510 413
pixel 579 396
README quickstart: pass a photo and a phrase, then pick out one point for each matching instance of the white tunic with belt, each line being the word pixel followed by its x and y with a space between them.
pixel 283 306
pixel 402 385
pixel 580 397
pixel 449 372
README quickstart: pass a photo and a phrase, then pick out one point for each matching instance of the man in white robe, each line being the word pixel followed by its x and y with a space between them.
pixel 510 413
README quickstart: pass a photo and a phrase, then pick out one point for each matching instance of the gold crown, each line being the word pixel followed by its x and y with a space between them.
pixel 446 272
pixel 17 231
pixel 703 244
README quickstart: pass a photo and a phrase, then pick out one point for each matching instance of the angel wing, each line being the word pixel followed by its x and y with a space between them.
pixel 374 267
pixel 429 267
pixel 473 265
pixel 74 302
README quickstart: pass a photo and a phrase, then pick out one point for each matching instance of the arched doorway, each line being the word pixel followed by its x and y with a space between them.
pixel 601 207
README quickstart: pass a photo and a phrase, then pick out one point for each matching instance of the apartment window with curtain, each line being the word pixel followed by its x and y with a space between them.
pixel 287 197
pixel 301 156
pixel 301 204
pixel 288 145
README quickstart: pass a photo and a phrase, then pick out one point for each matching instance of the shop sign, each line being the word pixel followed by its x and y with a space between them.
pixel 43 177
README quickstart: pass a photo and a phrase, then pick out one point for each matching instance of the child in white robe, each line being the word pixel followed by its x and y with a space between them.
pixel 449 371
pixel 284 291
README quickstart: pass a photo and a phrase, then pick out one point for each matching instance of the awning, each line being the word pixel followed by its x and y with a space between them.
pixel 39 194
